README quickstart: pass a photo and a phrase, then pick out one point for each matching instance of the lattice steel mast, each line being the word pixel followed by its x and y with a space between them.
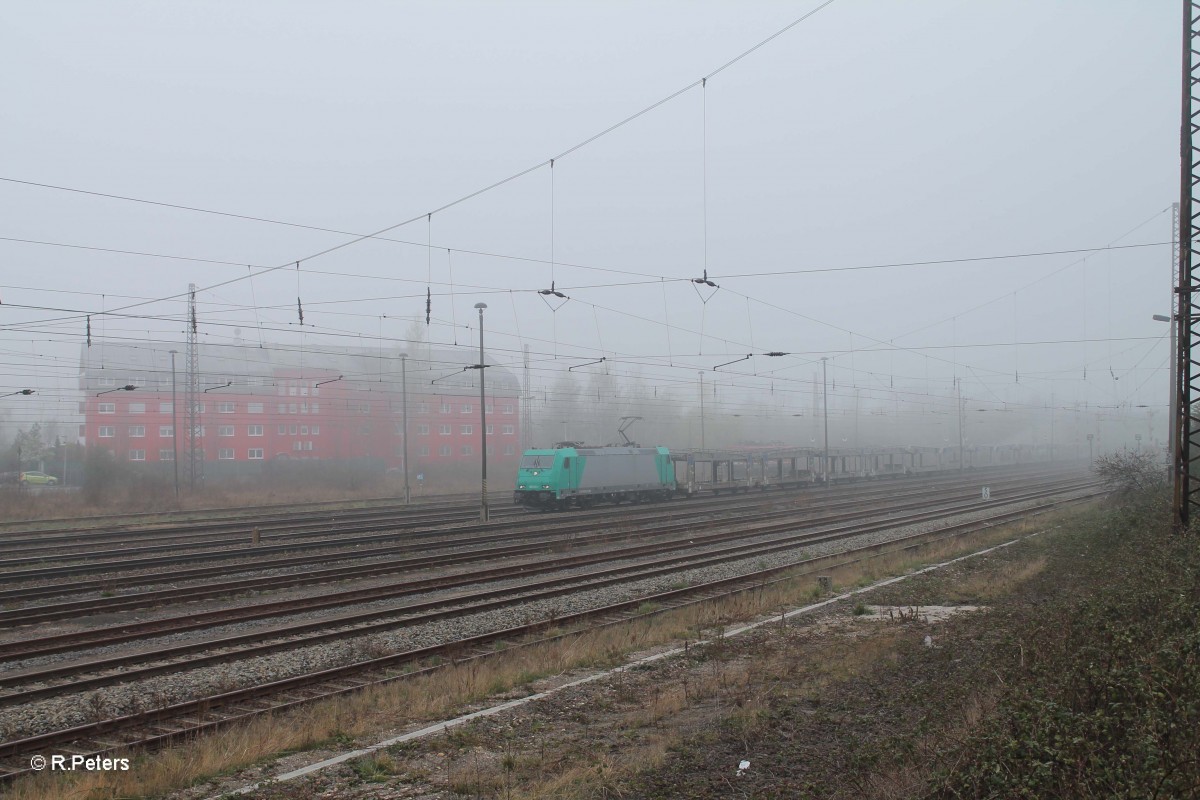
pixel 1187 431
pixel 195 446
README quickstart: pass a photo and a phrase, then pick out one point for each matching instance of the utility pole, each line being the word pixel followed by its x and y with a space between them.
pixel 484 514
pixel 526 408
pixel 174 426
pixel 404 439
pixel 825 396
pixel 1173 413
pixel 1051 425
pixel 702 411
pixel 961 411
pixel 192 395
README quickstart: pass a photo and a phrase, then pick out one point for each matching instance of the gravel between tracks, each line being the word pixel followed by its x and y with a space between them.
pixel 69 710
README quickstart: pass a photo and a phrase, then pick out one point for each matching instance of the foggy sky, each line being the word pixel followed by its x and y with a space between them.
pixel 873 133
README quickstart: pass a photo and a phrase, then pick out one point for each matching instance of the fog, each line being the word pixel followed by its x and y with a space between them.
pixel 963 205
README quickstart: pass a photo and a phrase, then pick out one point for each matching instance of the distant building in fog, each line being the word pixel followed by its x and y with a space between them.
pixel 274 409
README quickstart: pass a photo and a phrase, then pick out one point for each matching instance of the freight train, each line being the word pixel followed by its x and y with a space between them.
pixel 584 476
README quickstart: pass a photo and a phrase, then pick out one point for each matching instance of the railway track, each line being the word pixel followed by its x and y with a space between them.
pixel 41 546
pixel 573 531
pixel 831 527
pixel 164 725
pixel 347 539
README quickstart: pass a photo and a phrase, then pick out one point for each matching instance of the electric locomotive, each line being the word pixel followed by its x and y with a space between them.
pixel 585 476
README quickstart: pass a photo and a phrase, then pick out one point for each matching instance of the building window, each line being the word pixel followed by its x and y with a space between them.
pixel 466 450
pixel 465 408
pixel 166 431
pixel 399 428
pixel 291 391
pixel 445 450
pixel 281 430
pixel 166 455
pixel 296 445
pixel 489 430
pixel 303 430
pixel 281 408
pixel 224 430
pixel 423 450
pixel 308 445
pixel 254 408
pixel 291 408
pixel 316 429
pixel 254 454
pixel 509 450
pixel 137 431
pixel 445 408
pixel 137 408
pixel 138 380
pixel 466 430
pixel 293 430
pixel 225 454
pixel 82 431
pixel 316 408
pixel 364 430
pixel 254 430
pixel 364 408
pixel 304 391
pixel 422 430
pixel 225 408
pixel 489 450
pixel 506 409
pixel 487 409
pixel 107 431
pixel 137 455
pixel 107 408
pixel 108 381
pixel 422 408
pixel 507 430
pixel 444 430
pixel 166 408
pixel 304 408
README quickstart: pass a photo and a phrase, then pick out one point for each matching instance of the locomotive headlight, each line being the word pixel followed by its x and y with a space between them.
pixel 545 486
pixel 522 486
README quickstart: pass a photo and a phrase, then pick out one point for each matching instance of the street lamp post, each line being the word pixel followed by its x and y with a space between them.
pixel 404 441
pixel 825 404
pixel 174 425
pixel 484 515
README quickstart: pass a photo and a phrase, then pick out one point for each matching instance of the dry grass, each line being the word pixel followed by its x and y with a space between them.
pixel 444 693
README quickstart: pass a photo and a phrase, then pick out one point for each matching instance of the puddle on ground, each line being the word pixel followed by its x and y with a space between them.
pixel 920 613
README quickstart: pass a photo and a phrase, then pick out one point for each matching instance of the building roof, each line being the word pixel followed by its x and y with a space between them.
pixel 250 366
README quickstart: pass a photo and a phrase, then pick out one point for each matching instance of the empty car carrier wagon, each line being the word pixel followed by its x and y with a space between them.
pixel 584 476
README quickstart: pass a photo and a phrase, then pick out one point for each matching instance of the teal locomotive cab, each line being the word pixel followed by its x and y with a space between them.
pixel 544 476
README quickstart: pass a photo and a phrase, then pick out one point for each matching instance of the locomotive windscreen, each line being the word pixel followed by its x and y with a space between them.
pixel 537 462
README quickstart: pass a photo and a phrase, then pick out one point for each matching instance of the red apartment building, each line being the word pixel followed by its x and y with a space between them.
pixel 344 404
